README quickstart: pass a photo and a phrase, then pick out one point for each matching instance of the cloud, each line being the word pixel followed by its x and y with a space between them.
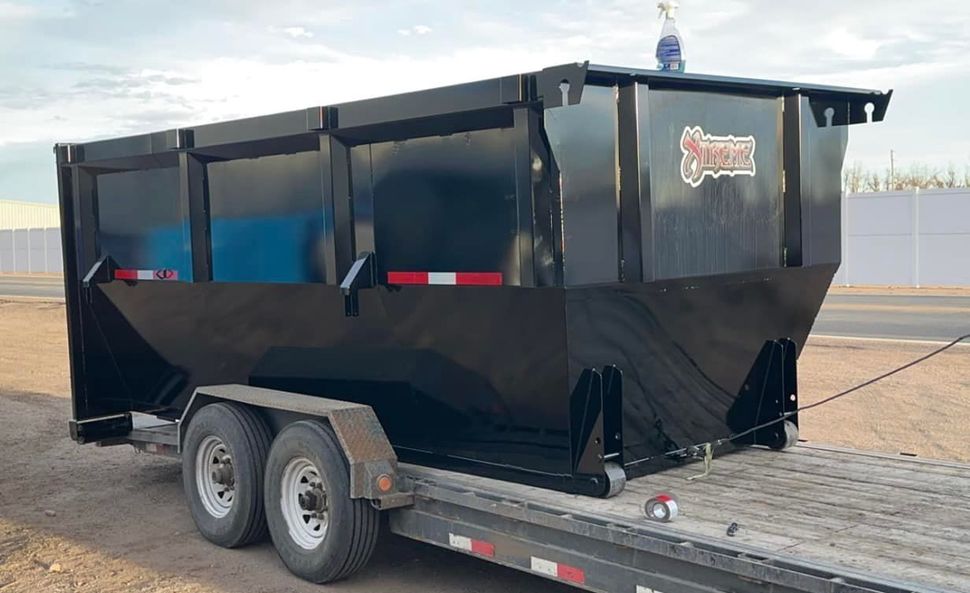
pixel 293 32
pixel 851 46
pixel 10 11
pixel 20 12
pixel 415 30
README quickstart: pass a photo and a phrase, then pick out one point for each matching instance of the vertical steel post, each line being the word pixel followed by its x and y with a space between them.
pixel 338 198
pixel 70 250
pixel 647 252
pixel 631 188
pixel 85 222
pixel 525 120
pixel 194 204
pixel 326 187
pixel 792 180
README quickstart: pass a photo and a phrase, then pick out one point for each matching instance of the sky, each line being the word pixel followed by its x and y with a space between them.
pixel 78 70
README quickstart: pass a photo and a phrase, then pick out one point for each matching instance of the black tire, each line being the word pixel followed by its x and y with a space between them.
pixel 785 437
pixel 352 524
pixel 247 440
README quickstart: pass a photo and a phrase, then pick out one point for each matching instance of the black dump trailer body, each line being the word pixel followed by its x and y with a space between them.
pixel 543 278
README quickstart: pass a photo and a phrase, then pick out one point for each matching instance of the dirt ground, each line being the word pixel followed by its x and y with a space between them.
pixel 109 520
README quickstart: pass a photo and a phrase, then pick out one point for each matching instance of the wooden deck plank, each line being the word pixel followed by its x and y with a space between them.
pixel 836 490
pixel 888 561
pixel 900 518
pixel 860 473
pixel 729 500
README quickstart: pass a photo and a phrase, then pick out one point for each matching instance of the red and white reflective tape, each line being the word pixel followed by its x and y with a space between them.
pixel 446 278
pixel 558 570
pixel 642 589
pixel 163 274
pixel 475 546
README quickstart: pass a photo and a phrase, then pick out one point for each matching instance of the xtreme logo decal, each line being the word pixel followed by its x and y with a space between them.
pixel 706 155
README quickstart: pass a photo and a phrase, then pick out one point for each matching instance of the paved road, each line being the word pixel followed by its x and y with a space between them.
pixel 32 286
pixel 863 315
pixel 937 318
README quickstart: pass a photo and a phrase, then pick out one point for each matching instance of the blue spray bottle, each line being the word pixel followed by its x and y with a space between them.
pixel 670 48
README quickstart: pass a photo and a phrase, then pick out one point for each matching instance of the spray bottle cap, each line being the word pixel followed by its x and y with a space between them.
pixel 668 8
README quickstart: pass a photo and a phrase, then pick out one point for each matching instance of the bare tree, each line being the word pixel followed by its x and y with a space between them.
pixel 894 180
pixel 950 179
pixel 853 178
pixel 918 176
pixel 873 182
pixel 857 178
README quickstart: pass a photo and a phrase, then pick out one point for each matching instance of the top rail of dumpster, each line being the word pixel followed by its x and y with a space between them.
pixel 549 88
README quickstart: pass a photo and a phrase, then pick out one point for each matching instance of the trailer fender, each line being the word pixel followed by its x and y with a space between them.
pixel 373 463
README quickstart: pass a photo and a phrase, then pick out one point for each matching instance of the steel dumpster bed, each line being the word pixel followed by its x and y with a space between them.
pixel 564 277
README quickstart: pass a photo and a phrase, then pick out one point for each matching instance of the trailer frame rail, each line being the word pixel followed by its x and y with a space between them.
pixel 605 554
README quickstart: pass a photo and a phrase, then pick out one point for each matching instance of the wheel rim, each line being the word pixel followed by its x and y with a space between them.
pixel 303 500
pixel 214 476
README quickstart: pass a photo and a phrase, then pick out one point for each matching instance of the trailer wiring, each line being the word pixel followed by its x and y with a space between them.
pixel 700 448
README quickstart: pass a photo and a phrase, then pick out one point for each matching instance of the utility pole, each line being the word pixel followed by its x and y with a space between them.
pixel 892 170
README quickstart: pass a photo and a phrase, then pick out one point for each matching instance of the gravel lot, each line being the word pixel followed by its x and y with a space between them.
pixel 104 520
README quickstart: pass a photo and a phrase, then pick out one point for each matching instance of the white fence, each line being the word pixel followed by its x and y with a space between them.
pixel 911 238
pixel 31 251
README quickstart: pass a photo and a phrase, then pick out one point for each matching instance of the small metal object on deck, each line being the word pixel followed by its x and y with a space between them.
pixel 662 508
pixel 732 529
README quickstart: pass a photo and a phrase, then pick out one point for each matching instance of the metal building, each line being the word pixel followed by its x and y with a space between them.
pixel 30 240
pixel 28 215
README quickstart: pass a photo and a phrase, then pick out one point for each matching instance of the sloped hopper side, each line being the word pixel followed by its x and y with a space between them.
pixel 690 354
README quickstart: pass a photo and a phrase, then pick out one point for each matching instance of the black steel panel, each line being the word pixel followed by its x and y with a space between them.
pixel 117 148
pixel 583 142
pixel 726 223
pixel 822 154
pixel 470 96
pixel 446 204
pixel 141 222
pixel 253 128
pixel 267 219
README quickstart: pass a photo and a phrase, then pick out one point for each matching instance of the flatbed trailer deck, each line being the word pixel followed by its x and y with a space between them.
pixel 810 519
